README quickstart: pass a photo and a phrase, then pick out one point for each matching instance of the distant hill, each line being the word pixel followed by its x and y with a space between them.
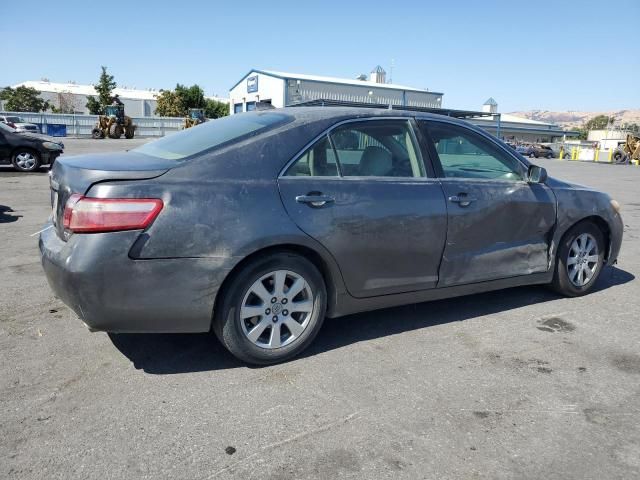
pixel 571 120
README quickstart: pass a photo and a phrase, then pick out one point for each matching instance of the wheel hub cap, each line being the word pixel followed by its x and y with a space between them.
pixel 582 260
pixel 276 309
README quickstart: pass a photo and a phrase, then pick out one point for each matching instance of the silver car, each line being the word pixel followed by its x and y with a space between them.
pixel 19 124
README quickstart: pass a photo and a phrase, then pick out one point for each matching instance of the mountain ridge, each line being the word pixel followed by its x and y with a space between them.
pixel 576 119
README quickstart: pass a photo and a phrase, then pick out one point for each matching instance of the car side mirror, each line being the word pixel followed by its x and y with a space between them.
pixel 537 174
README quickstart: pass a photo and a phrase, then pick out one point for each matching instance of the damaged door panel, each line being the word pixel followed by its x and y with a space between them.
pixel 496 230
pixel 499 224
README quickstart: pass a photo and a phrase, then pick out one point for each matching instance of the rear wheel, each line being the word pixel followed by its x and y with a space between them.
pixel 97 133
pixel 580 260
pixel 115 131
pixel 26 160
pixel 272 309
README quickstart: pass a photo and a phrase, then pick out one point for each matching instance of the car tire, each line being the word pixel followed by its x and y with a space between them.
pixel 532 155
pixel 549 156
pixel 26 160
pixel 267 287
pixel 579 260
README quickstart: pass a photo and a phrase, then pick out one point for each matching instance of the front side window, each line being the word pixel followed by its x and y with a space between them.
pixel 465 154
pixel 378 148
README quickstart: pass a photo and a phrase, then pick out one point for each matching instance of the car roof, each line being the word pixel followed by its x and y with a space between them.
pixel 309 114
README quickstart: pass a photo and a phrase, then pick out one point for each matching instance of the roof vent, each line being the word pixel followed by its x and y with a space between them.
pixel 378 75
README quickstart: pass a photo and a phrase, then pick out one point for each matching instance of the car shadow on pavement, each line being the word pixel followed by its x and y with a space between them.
pixel 162 354
pixel 4 218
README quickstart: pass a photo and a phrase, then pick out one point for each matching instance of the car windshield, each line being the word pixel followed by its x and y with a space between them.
pixel 6 128
pixel 13 119
pixel 212 134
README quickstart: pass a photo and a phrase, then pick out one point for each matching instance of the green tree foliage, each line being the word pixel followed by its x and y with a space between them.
pixel 215 109
pixel 176 103
pixel 192 97
pixel 23 99
pixel 169 104
pixel 599 122
pixel 632 127
pixel 105 87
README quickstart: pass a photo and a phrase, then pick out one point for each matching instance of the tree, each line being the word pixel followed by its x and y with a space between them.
pixel 599 122
pixel 192 97
pixel 23 99
pixel 169 104
pixel 104 88
pixel 215 109
pixel 176 103
pixel 632 127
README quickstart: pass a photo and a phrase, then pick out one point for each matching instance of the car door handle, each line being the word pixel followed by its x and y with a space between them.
pixel 315 200
pixel 462 199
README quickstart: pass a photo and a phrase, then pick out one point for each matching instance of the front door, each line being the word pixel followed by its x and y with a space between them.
pixel 499 225
pixel 5 149
pixel 362 192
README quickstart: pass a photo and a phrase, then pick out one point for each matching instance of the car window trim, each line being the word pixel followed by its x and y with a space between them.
pixel 438 165
pixel 327 132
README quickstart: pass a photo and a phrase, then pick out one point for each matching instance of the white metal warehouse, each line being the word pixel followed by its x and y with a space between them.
pixel 282 89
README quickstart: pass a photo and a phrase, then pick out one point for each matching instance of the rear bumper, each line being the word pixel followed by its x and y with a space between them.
pixel 94 275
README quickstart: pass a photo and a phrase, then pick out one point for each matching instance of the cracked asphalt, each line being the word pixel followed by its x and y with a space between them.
pixel 516 384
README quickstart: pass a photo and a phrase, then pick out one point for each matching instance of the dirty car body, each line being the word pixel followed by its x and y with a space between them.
pixel 378 201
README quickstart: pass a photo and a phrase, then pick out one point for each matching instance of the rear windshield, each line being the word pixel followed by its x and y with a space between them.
pixel 214 133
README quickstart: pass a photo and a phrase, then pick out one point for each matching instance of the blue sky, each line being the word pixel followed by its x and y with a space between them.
pixel 554 55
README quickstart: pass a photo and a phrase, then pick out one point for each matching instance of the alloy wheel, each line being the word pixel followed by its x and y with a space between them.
pixel 582 261
pixel 26 161
pixel 276 309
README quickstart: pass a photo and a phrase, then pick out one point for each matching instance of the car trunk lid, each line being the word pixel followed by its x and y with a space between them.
pixel 77 175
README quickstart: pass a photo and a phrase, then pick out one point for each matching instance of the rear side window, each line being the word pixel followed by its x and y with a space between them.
pixel 317 161
pixel 378 148
pixel 465 154
pixel 214 133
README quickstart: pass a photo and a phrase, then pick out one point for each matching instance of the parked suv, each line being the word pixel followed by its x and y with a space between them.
pixel 19 124
pixel 27 151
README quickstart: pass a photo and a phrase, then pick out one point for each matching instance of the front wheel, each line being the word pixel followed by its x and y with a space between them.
pixel 272 309
pixel 580 260
pixel 26 160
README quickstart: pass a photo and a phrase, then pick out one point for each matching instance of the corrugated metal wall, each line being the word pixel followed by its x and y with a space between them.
pixel 308 90
pixel 81 125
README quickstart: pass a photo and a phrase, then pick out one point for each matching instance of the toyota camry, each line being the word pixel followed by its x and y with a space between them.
pixel 259 225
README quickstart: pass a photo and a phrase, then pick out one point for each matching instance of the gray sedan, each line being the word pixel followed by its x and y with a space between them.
pixel 260 225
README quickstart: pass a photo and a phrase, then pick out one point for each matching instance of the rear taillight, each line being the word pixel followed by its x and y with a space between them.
pixel 92 215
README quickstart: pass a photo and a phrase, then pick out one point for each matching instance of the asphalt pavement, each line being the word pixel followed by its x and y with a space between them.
pixel 516 384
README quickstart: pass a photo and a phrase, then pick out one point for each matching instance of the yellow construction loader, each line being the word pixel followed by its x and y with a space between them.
pixel 195 117
pixel 630 150
pixel 113 124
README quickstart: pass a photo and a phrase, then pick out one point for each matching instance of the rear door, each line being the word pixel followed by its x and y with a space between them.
pixel 499 225
pixel 363 192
